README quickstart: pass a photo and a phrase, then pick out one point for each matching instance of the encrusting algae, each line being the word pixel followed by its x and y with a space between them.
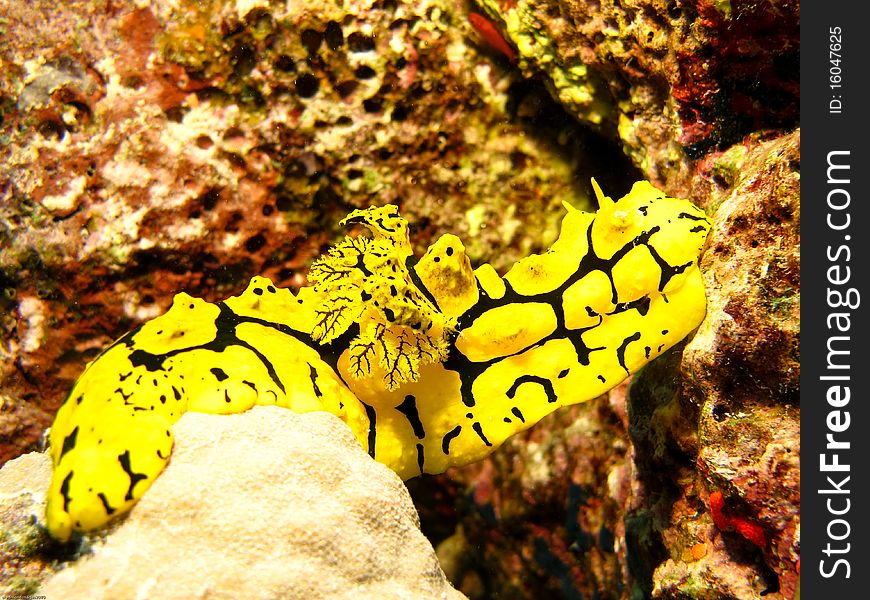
pixel 430 363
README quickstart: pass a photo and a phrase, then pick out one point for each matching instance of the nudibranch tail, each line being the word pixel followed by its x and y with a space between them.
pixel 430 363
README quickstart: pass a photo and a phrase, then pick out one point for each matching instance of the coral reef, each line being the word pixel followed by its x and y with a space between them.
pixel 339 524
pixel 159 147
pixel 743 365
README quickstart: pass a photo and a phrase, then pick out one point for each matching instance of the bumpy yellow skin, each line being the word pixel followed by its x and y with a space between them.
pixel 430 363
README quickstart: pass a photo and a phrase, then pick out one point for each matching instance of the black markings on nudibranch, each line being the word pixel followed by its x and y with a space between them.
pixel 361 265
pixel 684 215
pixel 64 491
pixel 408 408
pixel 543 381
pixel 151 362
pixel 590 262
pixel 448 437
pixel 106 506
pixel 620 352
pixel 668 271
pixel 420 456
pixel 135 478
pixel 312 373
pixel 225 336
pixel 518 414
pixel 219 374
pixel 410 263
pixel 69 442
pixel 642 305
pixel 380 223
pixel 373 426
pixel 478 429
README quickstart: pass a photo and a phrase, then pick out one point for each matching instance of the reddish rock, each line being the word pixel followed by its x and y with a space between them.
pixel 731 430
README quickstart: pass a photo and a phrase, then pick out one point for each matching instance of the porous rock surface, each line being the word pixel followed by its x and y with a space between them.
pixel 671 80
pixel 264 504
pixel 23 562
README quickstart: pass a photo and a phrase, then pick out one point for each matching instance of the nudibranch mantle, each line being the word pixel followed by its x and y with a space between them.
pixel 429 362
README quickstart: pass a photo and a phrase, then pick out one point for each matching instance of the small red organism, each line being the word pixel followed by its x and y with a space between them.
pixel 492 36
pixel 749 530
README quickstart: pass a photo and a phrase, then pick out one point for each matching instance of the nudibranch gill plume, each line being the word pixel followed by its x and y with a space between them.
pixel 429 362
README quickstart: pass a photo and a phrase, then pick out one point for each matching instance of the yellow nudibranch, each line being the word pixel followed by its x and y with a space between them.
pixel 430 363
